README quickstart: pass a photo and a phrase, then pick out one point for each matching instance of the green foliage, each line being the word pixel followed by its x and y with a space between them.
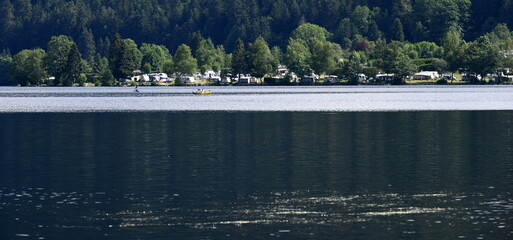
pixel 454 49
pixel 430 64
pixel 309 34
pixel 106 78
pixel 428 49
pixel 396 61
pixel 210 57
pixel 297 58
pixel 441 82
pixel 29 24
pixel 361 18
pixel 154 55
pixel 324 58
pixel 27 68
pixel 146 68
pixel 397 30
pixel 351 68
pixel 73 67
pixel 370 71
pixel 434 28
pixel 262 62
pixel 184 62
pixel 169 66
pixel 81 80
pixel 56 57
pixel 5 63
pixel 240 61
pixel 481 57
pixel 134 54
pixel 124 57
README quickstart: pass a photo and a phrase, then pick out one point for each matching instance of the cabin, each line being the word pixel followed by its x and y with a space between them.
pixel 158 77
pixel 469 77
pixel 426 75
pixel 189 79
pixel 448 76
pixel 308 79
pixel 282 71
pixel 226 80
pixel 385 77
pixel 248 80
pixel 215 79
pixel 210 74
pixel 331 79
pixel 361 77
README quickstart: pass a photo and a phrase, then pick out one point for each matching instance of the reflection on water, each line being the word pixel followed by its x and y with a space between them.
pixel 39 213
pixel 256 175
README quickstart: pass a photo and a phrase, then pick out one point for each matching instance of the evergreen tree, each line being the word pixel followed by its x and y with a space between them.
pixel 239 59
pixel 5 63
pixel 87 44
pixel 397 30
pixel 8 23
pixel 120 58
pixel 195 42
pixel 73 67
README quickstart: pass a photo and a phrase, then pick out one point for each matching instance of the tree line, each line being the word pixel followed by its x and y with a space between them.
pixel 28 24
pixel 310 50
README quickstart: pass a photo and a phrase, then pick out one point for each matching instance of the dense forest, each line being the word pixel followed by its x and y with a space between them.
pixel 353 25
pixel 26 24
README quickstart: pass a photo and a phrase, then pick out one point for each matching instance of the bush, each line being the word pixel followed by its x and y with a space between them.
pixel 179 81
pixel 441 81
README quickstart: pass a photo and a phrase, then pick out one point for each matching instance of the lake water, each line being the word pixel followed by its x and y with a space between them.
pixel 317 99
pixel 256 163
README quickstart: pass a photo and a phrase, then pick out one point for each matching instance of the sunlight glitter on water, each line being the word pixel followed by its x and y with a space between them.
pixel 287 209
pixel 316 99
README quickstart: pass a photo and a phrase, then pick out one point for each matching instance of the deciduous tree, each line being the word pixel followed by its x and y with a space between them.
pixel 262 61
pixel 27 68
pixel 184 62
pixel 56 57
pixel 297 58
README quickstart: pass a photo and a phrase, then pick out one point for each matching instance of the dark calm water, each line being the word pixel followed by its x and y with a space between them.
pixel 257 175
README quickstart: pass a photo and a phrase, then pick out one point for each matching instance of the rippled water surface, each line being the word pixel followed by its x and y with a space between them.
pixel 315 98
pixel 79 163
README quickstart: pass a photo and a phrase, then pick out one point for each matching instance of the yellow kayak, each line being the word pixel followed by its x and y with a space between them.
pixel 202 92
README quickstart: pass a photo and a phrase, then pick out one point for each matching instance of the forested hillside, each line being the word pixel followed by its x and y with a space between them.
pixel 26 24
pixel 105 42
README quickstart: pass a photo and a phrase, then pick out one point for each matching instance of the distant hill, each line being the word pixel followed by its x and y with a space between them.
pixel 26 24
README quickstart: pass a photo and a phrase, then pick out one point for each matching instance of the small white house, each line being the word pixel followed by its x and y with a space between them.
pixel 282 71
pixel 210 74
pixel 331 79
pixel 361 77
pixel 385 77
pixel 248 80
pixel 226 80
pixel 189 79
pixel 308 79
pixel 426 75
